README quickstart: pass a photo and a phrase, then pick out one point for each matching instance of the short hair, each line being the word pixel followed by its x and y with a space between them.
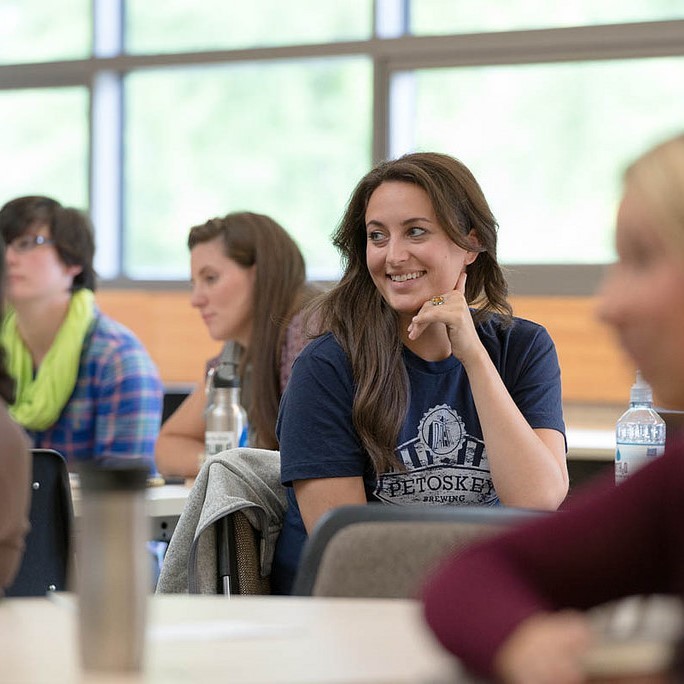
pixel 6 380
pixel 70 229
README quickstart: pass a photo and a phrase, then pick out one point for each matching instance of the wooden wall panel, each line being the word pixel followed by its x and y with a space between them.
pixel 594 369
pixel 171 330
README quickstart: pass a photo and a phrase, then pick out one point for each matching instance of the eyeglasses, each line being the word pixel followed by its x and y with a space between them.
pixel 26 243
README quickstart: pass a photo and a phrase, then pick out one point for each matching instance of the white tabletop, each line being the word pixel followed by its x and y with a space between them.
pixel 239 640
pixel 164 505
pixel 591 444
pixel 162 501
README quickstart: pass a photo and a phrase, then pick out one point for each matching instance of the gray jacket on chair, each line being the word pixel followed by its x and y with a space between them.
pixel 244 479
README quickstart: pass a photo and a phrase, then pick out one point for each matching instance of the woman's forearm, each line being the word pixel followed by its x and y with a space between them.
pixel 528 466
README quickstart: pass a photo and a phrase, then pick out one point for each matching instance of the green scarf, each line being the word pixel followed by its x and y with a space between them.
pixel 40 400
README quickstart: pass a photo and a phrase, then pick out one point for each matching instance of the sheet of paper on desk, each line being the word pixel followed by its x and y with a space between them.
pixel 638 633
pixel 216 629
pixel 630 657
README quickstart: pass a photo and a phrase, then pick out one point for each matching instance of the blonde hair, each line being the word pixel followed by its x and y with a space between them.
pixel 658 176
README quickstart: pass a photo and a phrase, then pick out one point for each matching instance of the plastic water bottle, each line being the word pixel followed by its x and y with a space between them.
pixel 640 432
pixel 226 419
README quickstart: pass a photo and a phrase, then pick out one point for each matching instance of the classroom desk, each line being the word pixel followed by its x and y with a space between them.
pixel 591 444
pixel 272 639
pixel 164 506
pixel 241 640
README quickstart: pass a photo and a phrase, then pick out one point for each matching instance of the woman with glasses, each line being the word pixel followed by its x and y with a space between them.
pixel 85 385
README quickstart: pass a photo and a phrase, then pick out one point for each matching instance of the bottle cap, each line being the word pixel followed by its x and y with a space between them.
pixel 641 392
pixel 225 376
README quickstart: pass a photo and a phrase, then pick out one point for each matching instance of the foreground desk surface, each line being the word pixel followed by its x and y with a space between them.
pixel 238 640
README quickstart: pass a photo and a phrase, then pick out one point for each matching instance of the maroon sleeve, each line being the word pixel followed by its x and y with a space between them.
pixel 606 543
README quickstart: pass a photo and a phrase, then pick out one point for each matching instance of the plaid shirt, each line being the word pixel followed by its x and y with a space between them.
pixel 115 409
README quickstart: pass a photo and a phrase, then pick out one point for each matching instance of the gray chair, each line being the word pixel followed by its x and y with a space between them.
pixel 48 556
pixel 380 551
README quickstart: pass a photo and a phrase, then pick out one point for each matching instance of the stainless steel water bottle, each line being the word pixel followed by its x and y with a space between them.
pixel 226 419
pixel 113 567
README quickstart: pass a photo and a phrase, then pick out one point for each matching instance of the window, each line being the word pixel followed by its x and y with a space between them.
pixel 40 158
pixel 202 142
pixel 159 114
pixel 40 31
pixel 547 142
pixel 470 16
pixel 159 26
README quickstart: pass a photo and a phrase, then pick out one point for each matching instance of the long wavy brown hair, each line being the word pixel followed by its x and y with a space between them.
pixel 280 291
pixel 363 323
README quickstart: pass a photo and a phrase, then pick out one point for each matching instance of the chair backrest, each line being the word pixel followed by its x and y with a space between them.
pixel 47 556
pixel 174 396
pixel 380 551
pixel 237 554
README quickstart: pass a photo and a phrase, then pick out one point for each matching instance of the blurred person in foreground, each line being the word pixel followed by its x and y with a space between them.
pixel 249 285
pixel 85 385
pixel 511 607
pixel 15 472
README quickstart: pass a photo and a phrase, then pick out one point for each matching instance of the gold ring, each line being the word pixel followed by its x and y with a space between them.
pixel 437 300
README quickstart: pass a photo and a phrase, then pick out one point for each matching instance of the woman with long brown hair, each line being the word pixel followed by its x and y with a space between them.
pixel 424 387
pixel 249 285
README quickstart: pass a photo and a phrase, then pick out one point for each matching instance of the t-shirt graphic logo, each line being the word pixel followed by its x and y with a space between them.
pixel 443 465
pixel 442 430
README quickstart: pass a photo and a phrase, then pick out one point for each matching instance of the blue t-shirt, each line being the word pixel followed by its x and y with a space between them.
pixel 440 442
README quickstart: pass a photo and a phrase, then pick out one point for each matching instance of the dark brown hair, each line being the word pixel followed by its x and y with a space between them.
pixel 280 291
pixel 6 380
pixel 70 229
pixel 366 326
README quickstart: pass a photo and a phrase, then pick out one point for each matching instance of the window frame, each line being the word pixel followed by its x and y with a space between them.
pixel 103 74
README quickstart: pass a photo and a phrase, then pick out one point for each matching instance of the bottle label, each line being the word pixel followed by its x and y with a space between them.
pixel 630 457
pixel 217 441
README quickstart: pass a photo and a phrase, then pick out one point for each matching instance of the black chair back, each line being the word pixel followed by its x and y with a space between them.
pixel 48 550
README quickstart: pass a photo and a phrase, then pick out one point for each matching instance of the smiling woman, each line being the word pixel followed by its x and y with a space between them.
pixel 403 401
pixel 397 243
